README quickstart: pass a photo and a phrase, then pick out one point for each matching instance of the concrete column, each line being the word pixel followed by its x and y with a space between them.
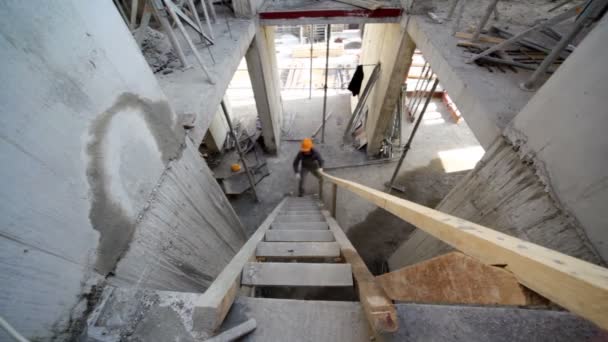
pixel 390 45
pixel 263 72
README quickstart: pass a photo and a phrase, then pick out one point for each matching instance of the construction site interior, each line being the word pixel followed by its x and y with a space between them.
pixel 147 149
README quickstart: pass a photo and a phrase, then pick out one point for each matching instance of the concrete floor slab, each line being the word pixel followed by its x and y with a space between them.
pixel 296 320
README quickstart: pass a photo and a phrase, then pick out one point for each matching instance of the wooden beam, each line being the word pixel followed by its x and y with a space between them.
pixel 298 249
pixel 378 308
pixel 296 274
pixel 577 285
pixel 300 225
pixel 212 306
pixel 455 278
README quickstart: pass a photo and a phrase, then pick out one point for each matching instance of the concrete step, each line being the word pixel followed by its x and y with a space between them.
pixel 299 225
pixel 296 274
pixel 299 235
pixel 300 218
pixel 301 207
pixel 298 249
pixel 151 315
pixel 312 320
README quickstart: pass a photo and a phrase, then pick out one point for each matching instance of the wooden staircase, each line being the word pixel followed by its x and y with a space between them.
pixel 299 249
pixel 298 245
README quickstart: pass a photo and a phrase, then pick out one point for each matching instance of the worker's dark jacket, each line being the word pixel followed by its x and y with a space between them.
pixel 310 160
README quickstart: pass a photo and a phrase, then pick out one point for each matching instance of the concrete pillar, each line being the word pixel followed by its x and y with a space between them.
pixel 390 45
pixel 263 72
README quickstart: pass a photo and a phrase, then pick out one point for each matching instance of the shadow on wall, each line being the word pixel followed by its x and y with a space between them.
pixel 381 233
pixel 132 134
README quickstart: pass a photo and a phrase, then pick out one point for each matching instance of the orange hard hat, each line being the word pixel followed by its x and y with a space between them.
pixel 235 167
pixel 306 145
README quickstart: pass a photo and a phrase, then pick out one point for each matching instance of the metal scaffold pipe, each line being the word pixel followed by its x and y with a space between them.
pixel 328 37
pixel 239 151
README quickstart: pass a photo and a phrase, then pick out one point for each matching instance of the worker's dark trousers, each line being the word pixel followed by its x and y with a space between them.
pixel 303 172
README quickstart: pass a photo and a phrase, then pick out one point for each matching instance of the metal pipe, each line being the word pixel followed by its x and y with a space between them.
pixel 534 81
pixel 239 151
pixel 181 27
pixel 161 15
pixel 452 8
pixel 11 331
pixel 328 36
pixel 310 76
pixel 418 91
pixel 555 20
pixel 459 17
pixel 422 90
pixel 197 19
pixel 204 5
pixel 409 140
pixel 484 19
pixel 229 30
pixel 134 14
pixel 143 25
pixel 212 10
pixel 416 85
pixel 362 99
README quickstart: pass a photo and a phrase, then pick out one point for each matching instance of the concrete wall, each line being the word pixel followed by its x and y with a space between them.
pixel 97 178
pixel 545 180
pixel 563 130
pixel 390 45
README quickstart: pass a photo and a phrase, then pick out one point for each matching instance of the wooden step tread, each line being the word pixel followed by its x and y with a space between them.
pixel 299 235
pixel 298 249
pixel 300 207
pixel 300 225
pixel 300 218
pixel 296 274
pixel 300 212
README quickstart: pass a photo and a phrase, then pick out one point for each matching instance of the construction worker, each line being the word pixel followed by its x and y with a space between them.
pixel 311 162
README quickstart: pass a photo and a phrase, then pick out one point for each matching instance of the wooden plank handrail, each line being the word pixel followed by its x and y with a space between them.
pixel 577 285
pixel 377 306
